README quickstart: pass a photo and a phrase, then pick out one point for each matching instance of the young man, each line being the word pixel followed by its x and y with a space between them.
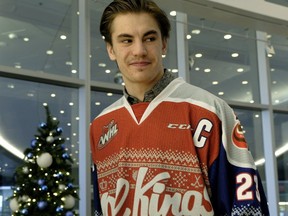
pixel 166 147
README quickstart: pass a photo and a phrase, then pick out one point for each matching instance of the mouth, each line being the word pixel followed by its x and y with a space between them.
pixel 140 64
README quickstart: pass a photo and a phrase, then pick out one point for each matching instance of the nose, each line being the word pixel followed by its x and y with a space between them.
pixel 139 48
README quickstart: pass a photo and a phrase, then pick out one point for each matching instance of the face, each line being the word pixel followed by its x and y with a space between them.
pixel 137 47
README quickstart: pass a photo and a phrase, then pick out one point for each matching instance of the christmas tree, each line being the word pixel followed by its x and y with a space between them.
pixel 43 183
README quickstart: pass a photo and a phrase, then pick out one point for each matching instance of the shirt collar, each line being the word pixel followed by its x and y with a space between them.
pixel 152 93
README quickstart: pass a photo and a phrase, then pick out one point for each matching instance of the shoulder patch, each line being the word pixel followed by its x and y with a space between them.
pixel 109 131
pixel 238 137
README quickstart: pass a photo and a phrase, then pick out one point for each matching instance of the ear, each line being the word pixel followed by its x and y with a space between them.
pixel 110 51
pixel 164 46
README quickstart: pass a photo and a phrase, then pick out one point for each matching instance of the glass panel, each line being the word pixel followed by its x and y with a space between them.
pixel 105 70
pixel 22 112
pixel 223 60
pixel 252 127
pixel 101 100
pixel 278 52
pixel 281 125
pixel 280 2
pixel 40 36
pixel 170 60
pixel 102 69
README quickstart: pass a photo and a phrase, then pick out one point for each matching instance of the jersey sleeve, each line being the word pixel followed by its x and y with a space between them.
pixel 96 197
pixel 236 186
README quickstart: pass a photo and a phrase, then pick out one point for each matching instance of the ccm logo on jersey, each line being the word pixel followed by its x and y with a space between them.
pixel 180 126
pixel 109 131
pixel 204 126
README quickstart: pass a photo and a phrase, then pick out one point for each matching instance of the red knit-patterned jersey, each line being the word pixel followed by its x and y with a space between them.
pixel 184 153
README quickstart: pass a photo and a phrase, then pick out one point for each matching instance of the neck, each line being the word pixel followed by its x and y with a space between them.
pixel 138 89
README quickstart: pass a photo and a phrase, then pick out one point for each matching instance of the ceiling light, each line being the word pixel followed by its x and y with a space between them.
pixel 196 31
pixel 11 86
pixel 207 70
pixel 63 37
pixel 270 50
pixel 257 116
pixel 53 95
pixel 174 70
pixel 97 103
pixel 259 162
pixel 252 101
pixel 188 37
pixel 244 82
pixel 26 39
pixel 109 94
pixel 215 83
pixel 9 147
pixel 163 56
pixel 68 63
pixel 197 69
pixel 227 36
pixel 220 93
pixel 234 55
pixel 198 55
pixel 77 118
pixel 102 65
pixel 240 70
pixel 74 71
pixel 49 52
pixel 68 124
pixel 71 104
pixel 283 203
pixel 62 111
pixel 18 66
pixel 12 36
pixel 269 55
pixel 107 71
pixel 281 150
pixel 30 94
pixel 173 13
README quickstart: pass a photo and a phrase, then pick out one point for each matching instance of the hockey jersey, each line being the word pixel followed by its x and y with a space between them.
pixel 183 153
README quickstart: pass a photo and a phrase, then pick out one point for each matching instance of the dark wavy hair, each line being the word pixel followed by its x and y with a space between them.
pixel 133 6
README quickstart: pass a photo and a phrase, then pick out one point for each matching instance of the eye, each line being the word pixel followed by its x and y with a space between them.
pixel 150 39
pixel 126 41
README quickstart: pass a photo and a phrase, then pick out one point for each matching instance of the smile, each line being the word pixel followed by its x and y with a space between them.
pixel 140 63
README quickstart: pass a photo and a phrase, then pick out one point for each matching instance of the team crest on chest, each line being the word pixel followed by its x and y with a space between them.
pixel 109 131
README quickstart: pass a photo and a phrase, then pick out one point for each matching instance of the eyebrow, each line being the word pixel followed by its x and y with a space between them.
pixel 125 35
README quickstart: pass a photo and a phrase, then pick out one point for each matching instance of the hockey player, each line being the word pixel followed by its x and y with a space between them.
pixel 166 147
